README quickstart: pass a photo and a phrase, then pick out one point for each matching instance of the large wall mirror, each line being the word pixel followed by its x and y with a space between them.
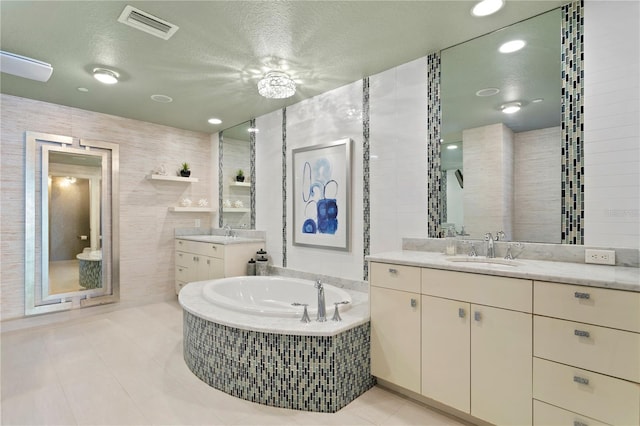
pixel 501 133
pixel 236 176
pixel 71 245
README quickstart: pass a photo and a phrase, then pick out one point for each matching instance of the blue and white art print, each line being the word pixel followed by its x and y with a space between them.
pixel 321 195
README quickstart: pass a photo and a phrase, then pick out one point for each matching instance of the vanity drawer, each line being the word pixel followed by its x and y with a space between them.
pixel 600 306
pixel 549 415
pixel 182 274
pixel 604 398
pixel 182 258
pixel 395 277
pixel 204 249
pixel 605 350
pixel 490 290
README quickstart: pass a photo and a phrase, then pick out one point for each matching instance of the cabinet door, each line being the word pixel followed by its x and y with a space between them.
pixel 395 337
pixel 501 365
pixel 215 267
pixel 446 351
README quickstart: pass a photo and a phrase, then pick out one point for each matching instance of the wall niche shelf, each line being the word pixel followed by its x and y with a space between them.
pixel 172 178
pixel 241 184
pixel 236 210
pixel 192 209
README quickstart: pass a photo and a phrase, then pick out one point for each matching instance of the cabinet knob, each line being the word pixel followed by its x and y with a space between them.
pixel 461 313
pixel 581 380
pixel 579 423
pixel 414 303
pixel 579 295
pixel 214 247
pixel 208 262
pixel 393 271
pixel 581 333
pixel 477 316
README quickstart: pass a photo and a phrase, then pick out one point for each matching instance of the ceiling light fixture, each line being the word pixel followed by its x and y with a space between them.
pixel 163 99
pixel 452 146
pixel 511 107
pixel 276 85
pixel 489 91
pixel 105 76
pixel 487 7
pixel 214 121
pixel 512 46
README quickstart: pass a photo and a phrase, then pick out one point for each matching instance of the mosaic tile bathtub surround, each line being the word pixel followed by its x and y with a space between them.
pixel 310 373
pixel 434 117
pixel 572 123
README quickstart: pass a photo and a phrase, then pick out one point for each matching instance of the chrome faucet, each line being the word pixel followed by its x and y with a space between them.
pixel 228 232
pixel 490 249
pixel 322 308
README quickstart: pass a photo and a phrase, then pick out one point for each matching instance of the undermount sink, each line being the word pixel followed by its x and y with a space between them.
pixel 484 261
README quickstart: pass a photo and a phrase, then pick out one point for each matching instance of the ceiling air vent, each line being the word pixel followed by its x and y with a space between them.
pixel 146 22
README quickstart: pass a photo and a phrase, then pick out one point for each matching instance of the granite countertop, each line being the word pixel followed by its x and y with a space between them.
pixel 219 239
pixel 615 277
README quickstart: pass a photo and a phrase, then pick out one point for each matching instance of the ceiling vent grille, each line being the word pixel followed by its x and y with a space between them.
pixel 146 22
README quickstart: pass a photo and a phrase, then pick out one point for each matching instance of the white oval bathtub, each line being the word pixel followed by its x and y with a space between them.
pixel 272 295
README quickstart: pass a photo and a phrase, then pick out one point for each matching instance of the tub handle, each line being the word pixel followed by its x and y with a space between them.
pixel 336 312
pixel 305 315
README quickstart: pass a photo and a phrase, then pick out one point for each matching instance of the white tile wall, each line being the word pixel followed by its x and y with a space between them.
pixel 398 168
pixel 536 181
pixel 611 131
pixel 146 225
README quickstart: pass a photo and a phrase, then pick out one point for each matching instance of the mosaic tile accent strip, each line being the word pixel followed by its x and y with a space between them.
pixel 252 168
pixel 366 206
pixel 434 117
pixel 572 123
pixel 310 373
pixel 443 196
pixel 220 178
pixel 284 187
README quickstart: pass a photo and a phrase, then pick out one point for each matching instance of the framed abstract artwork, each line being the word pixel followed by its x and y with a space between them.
pixel 322 195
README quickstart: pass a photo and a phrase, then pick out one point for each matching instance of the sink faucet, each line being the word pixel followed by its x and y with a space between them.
pixel 490 250
pixel 322 308
pixel 227 231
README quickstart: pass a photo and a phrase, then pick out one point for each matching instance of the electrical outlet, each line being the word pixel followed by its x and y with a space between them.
pixel 602 257
pixel 197 224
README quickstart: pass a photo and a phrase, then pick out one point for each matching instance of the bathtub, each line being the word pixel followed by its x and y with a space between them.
pixel 273 296
pixel 242 336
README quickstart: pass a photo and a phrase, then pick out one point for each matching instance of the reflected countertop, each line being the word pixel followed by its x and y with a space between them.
pixel 615 277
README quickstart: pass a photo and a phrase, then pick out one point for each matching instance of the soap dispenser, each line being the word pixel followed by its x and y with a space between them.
pixel 451 243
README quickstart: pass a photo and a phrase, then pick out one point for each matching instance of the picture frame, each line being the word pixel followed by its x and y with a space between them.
pixel 322 195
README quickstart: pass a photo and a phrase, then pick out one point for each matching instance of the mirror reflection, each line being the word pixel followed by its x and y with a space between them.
pixel 235 191
pixel 72 232
pixel 501 136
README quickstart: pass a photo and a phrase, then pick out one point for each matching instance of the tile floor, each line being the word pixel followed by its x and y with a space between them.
pixel 126 368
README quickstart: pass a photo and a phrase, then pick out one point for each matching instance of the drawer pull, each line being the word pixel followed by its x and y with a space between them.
pixel 581 380
pixel 581 333
pixel 214 247
pixel 414 303
pixel 180 242
pixel 461 313
pixel 477 316
pixel 579 295
pixel 579 423
pixel 393 271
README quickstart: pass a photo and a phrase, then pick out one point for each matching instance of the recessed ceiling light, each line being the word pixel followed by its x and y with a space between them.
pixel 511 107
pixel 537 100
pixel 452 146
pixel 253 130
pixel 487 7
pixel 105 76
pixel 163 99
pixel 214 121
pixel 512 46
pixel 489 91
pixel 82 89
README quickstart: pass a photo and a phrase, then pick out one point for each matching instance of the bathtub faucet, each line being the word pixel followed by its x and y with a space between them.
pixel 322 308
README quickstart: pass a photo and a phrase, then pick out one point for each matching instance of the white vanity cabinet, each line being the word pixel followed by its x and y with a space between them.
pixel 395 324
pixel 477 344
pixel 198 261
pixel 586 362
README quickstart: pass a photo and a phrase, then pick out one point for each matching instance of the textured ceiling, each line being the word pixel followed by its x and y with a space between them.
pixel 210 67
